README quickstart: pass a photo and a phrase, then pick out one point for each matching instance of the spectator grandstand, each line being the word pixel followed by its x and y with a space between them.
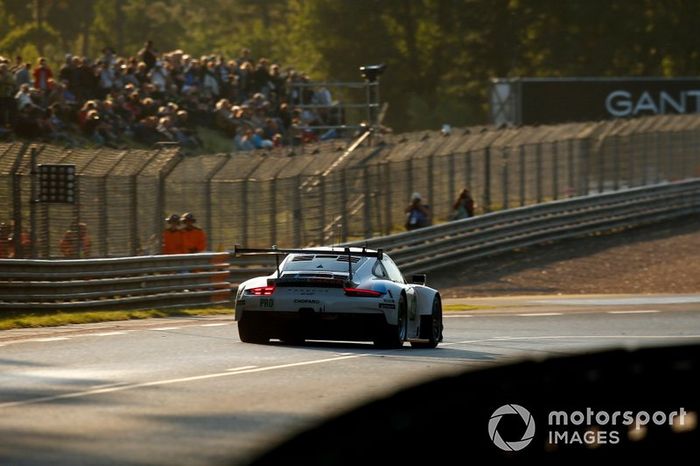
pixel 154 97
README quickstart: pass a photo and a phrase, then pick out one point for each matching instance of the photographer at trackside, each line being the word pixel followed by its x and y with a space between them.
pixel 417 213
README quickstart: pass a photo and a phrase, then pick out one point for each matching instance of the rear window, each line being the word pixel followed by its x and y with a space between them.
pixel 322 263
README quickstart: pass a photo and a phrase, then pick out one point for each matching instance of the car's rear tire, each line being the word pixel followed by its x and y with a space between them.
pixel 249 333
pixel 393 336
pixel 431 327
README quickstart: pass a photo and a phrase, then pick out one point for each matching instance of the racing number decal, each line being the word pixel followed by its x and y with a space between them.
pixel 267 302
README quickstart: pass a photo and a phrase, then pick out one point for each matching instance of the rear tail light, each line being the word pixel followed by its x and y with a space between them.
pixel 261 291
pixel 362 293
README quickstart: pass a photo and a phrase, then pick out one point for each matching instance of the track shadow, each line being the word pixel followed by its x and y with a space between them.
pixel 405 351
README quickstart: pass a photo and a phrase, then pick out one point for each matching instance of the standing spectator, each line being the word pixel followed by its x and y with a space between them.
pixel 193 238
pixel 463 207
pixel 76 243
pixel 417 213
pixel 23 75
pixel 172 236
pixel 148 55
pixel 43 77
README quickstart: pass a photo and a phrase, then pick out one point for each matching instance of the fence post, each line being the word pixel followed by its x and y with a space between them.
pixel 47 229
pixel 555 170
pixel 521 157
pixel 16 180
pixel 344 204
pixel 387 198
pixel 451 177
pixel 33 203
pixel 273 210
pixel 102 214
pixel 645 157
pixel 538 172
pixel 244 211
pixel 297 211
pixel 322 208
pixel 504 176
pixel 585 163
pixel 431 181
pixel 160 198
pixel 630 162
pixel 670 155
pixel 487 180
pixel 616 162
pixel 601 168
pixel 208 218
pixel 133 215
pixel 409 176
pixel 571 189
pixel 77 215
pixel 367 207
pixel 468 169
pixel 659 156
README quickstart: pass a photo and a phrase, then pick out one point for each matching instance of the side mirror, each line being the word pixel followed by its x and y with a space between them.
pixel 419 278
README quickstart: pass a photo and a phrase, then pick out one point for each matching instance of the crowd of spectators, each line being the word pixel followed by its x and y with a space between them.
pixel 161 97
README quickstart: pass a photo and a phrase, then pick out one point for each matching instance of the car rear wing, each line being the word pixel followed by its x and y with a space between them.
pixel 239 251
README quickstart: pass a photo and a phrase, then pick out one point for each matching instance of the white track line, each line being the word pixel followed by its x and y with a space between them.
pixel 242 368
pixel 566 337
pixel 648 311
pixel 214 325
pixel 540 314
pixel 103 334
pixel 165 328
pixel 49 339
pixel 457 316
pixel 155 383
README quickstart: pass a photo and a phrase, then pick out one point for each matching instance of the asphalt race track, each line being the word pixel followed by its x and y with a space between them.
pixel 187 391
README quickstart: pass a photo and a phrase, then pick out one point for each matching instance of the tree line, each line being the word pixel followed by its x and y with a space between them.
pixel 441 54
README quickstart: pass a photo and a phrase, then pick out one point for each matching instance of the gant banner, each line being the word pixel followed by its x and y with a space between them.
pixel 557 100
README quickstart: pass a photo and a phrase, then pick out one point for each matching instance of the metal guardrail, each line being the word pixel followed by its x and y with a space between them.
pixel 189 280
pixel 456 242
pixel 167 281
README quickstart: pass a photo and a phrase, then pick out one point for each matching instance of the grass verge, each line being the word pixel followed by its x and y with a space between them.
pixel 16 319
pixel 464 307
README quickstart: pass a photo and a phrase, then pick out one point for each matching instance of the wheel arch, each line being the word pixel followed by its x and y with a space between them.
pixel 424 299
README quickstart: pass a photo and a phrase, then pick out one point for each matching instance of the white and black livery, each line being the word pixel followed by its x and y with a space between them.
pixel 332 293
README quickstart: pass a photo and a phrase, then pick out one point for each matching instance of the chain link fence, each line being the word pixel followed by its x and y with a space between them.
pixel 330 194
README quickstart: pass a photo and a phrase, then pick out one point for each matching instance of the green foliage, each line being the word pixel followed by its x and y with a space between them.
pixel 28 34
pixel 441 54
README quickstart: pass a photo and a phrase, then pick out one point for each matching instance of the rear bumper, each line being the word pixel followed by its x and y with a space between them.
pixel 315 325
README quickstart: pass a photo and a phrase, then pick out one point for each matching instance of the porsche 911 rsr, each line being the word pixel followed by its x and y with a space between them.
pixel 350 294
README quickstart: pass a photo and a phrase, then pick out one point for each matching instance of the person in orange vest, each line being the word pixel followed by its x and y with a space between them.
pixel 76 242
pixel 172 236
pixel 193 238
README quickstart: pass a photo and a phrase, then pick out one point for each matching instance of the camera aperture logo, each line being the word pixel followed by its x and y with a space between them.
pixel 580 427
pixel 528 434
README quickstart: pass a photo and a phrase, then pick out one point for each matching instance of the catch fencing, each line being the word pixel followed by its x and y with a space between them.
pixel 206 279
pixel 334 192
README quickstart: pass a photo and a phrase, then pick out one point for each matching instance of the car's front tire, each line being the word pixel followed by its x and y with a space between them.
pixel 431 327
pixel 393 336
pixel 249 333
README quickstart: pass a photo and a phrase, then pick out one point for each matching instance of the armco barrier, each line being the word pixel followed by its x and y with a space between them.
pixel 142 282
pixel 469 239
pixel 190 280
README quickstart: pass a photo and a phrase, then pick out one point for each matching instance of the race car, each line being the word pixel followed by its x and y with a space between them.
pixel 331 293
